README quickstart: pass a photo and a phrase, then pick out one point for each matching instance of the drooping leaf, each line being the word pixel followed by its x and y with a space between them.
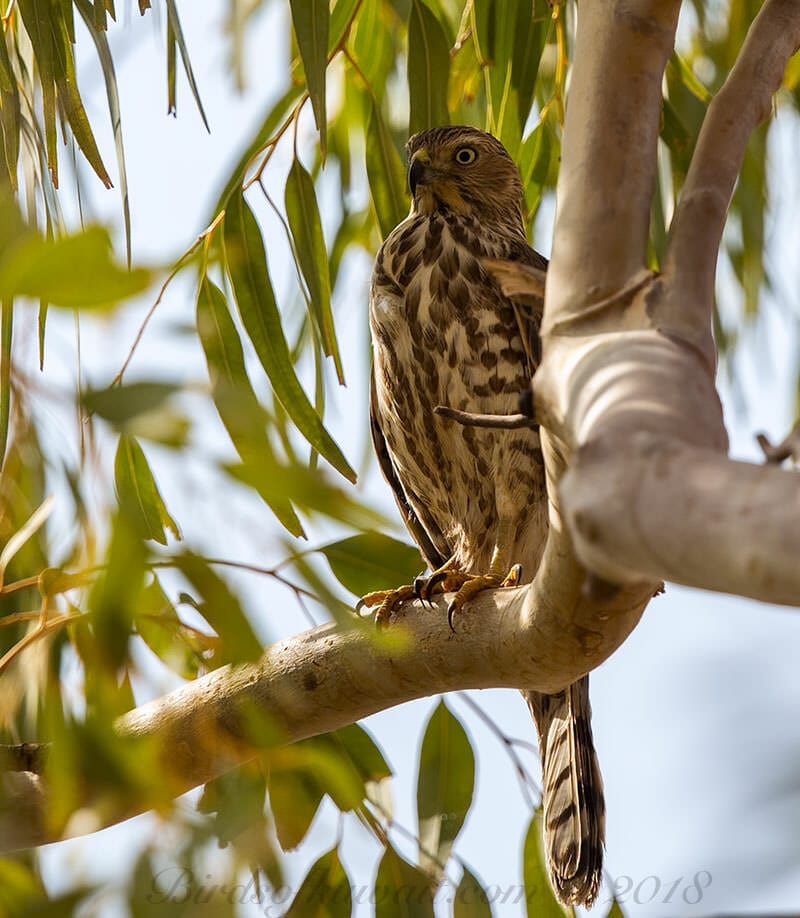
pixel 138 493
pixel 539 896
pixel 445 785
pixel 387 181
pixel 312 256
pixel 235 401
pixel 401 890
pixel 428 69
pixel 371 561
pixel 175 27
pixel 112 94
pixel 6 335
pixel 357 743
pixel 470 899
pixel 221 609
pixel 158 625
pixel 294 798
pixel 325 892
pixel 247 268
pixel 58 271
pixel 311 21
pixel 120 404
pixel 69 98
pixel 114 597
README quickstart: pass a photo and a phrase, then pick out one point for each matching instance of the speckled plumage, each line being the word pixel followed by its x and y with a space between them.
pixel 444 334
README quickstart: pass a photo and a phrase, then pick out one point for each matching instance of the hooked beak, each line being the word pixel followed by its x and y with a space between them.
pixel 420 172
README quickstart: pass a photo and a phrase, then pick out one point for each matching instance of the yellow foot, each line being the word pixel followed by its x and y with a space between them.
pixel 467 587
pixel 387 601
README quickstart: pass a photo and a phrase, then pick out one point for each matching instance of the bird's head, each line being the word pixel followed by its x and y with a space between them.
pixel 463 170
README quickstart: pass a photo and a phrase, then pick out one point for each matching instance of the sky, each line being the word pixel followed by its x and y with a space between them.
pixel 695 715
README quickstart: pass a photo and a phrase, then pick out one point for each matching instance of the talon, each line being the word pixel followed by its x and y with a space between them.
pixel 451 611
pixel 431 583
pixel 513 577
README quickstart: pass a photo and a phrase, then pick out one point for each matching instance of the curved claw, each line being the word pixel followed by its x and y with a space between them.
pixel 451 612
pixel 431 583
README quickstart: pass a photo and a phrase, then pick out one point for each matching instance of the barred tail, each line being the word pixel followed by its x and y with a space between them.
pixel 572 792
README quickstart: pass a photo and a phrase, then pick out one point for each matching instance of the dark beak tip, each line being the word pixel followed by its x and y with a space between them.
pixel 415 175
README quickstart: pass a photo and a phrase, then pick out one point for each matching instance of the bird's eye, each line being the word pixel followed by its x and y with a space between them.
pixel 466 155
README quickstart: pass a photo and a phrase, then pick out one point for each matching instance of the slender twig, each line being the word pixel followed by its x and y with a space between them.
pixel 743 102
pixel 117 380
pixel 495 421
pixel 526 782
pixel 788 448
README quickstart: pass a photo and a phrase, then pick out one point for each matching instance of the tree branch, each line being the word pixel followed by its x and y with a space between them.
pixel 328 677
pixel 606 180
pixel 625 393
pixel 743 102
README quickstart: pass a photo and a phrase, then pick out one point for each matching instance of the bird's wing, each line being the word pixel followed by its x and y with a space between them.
pixel 521 277
pixel 421 525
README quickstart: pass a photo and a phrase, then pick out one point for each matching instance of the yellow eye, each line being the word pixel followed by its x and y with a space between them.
pixel 466 155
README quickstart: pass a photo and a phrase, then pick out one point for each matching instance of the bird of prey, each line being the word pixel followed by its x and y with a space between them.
pixel 474 499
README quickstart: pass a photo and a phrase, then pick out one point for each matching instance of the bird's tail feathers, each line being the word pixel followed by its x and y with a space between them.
pixel 572 792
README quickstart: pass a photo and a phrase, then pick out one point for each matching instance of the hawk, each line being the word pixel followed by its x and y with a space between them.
pixel 474 499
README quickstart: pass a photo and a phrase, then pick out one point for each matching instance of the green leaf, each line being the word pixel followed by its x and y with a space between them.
pixel 138 493
pixel 312 256
pixel 36 17
pixel 114 597
pixel 57 271
pixel 121 404
pixel 310 490
pixel 615 911
pixel 158 625
pixel 70 99
pixel 294 798
pixel 236 402
pixel 445 785
pixel 247 268
pixel 311 21
pixel 175 26
pixel 539 896
pixel 530 37
pixel 9 116
pixel 401 890
pixel 386 174
pixel 221 609
pixel 325 892
pixel 470 899
pixel 371 561
pixel 6 334
pixel 341 18
pixel 112 94
pixel 362 750
pixel 428 69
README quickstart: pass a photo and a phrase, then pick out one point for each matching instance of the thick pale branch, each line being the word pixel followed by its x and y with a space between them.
pixel 541 637
pixel 688 515
pixel 742 103
pixel 605 185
